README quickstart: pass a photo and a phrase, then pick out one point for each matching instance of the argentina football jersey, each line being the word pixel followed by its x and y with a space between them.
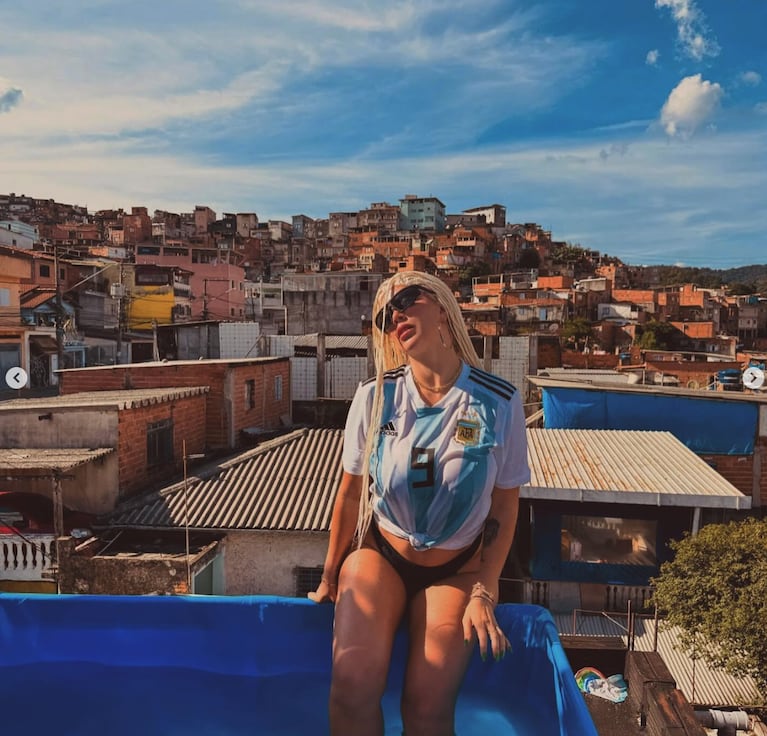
pixel 433 468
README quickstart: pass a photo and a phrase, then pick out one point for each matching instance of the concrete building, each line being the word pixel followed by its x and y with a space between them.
pixel 422 213
pixel 17 234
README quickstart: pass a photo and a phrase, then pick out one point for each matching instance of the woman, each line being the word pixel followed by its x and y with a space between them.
pixel 434 454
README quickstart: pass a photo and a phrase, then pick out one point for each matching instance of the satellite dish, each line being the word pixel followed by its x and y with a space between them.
pixel 553 327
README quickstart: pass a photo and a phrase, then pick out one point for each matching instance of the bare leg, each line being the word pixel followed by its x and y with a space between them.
pixel 438 657
pixel 369 607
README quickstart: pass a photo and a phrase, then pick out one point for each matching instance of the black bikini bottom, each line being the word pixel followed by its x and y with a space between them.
pixel 417 577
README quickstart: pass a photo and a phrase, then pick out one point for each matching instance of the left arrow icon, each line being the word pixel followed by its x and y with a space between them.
pixel 16 378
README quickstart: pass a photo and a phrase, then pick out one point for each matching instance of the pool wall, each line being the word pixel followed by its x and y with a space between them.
pixel 263 636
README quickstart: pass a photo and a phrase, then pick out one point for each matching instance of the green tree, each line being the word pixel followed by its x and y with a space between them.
pixel 476 269
pixel 657 336
pixel 576 331
pixel 715 591
pixel 529 258
pixel 739 288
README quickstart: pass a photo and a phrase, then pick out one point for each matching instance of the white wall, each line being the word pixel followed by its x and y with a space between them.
pixel 263 563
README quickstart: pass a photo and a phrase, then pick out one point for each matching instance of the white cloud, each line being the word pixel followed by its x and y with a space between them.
pixel 751 78
pixel 10 96
pixel 692 32
pixel 691 103
pixel 652 57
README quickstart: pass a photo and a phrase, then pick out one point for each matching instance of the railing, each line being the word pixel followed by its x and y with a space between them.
pixel 540 592
pixel 28 558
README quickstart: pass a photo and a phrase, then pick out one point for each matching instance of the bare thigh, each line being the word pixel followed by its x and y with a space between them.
pixel 438 656
pixel 369 607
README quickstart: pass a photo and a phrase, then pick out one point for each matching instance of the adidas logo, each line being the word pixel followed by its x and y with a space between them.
pixel 389 429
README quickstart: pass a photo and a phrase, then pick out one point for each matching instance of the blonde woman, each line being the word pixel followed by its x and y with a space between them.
pixel 434 454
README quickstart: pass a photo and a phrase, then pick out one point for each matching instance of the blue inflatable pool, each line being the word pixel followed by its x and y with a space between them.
pixel 226 666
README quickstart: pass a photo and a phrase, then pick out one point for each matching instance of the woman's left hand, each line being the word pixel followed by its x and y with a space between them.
pixel 479 617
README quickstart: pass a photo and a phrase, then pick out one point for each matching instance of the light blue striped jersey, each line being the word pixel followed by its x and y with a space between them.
pixel 433 468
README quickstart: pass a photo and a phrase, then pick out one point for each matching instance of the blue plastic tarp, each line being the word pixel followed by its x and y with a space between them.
pixel 218 656
pixel 704 425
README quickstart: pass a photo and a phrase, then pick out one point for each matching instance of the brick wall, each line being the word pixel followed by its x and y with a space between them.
pixel 227 413
pixel 549 354
pixel 572 359
pixel 691 374
pixel 269 406
pixel 739 470
pixel 188 417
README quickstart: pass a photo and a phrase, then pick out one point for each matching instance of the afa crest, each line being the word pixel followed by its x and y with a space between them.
pixel 467 431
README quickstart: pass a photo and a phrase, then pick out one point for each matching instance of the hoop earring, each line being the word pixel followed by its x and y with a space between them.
pixel 441 337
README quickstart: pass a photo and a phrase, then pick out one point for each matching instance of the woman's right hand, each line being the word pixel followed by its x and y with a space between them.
pixel 325 593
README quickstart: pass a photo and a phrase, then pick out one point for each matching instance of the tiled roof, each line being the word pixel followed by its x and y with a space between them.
pixel 27 459
pixel 624 466
pixel 35 297
pixel 285 484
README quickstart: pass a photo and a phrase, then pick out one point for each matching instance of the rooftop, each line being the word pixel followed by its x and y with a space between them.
pixel 120 399
pixel 289 483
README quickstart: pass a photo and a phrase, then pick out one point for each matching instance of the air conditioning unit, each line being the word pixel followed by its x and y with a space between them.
pixel 117 291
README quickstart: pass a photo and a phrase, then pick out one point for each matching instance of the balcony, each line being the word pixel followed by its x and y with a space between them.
pixel 27 559
pixel 565 597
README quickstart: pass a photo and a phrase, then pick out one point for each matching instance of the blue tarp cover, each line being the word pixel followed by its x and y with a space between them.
pixel 703 425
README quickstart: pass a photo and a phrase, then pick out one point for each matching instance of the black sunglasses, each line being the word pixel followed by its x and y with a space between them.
pixel 401 301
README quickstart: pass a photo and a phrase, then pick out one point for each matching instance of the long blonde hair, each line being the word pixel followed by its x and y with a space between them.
pixel 388 354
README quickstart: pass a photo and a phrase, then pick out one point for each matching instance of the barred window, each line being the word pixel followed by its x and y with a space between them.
pixel 307 580
pixel 159 442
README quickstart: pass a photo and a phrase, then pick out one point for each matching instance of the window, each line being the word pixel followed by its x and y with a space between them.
pixel 307 580
pixel 608 540
pixel 159 442
pixel 5 297
pixel 45 271
pixel 250 393
pixel 278 388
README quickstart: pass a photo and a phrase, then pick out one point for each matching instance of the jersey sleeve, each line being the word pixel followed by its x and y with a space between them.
pixel 513 467
pixel 355 432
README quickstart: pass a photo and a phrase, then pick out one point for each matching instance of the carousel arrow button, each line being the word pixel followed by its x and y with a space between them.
pixel 753 378
pixel 16 377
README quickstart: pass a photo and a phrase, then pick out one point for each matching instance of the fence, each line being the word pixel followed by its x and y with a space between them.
pixel 28 558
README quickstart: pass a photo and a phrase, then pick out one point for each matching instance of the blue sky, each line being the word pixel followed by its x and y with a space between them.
pixel 634 127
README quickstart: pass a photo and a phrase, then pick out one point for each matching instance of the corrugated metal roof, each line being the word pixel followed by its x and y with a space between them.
pixel 122 399
pixel 588 375
pixel 286 484
pixel 701 684
pixel 290 482
pixel 605 465
pixel 25 459
pixel 334 342
pixel 758 398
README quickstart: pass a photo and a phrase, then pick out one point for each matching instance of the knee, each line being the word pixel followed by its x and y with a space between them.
pixel 356 680
pixel 427 711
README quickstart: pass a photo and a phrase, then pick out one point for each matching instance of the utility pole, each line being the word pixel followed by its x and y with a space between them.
pixel 120 317
pixel 59 310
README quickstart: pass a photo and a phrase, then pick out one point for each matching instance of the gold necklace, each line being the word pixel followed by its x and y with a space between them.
pixel 438 389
